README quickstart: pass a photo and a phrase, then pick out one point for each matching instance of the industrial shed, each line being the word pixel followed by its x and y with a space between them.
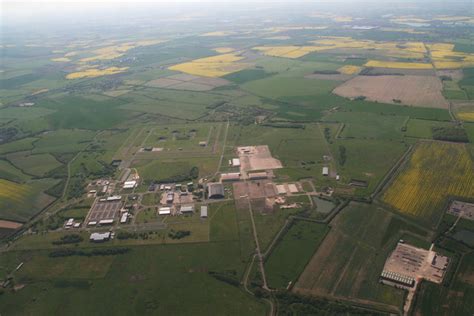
pixel 100 237
pixel 215 190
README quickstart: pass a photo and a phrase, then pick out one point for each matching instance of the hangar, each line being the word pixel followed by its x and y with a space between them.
pixel 215 190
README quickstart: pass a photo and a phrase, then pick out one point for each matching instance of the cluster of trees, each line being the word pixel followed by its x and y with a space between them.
pixel 215 105
pixel 342 155
pixel 68 239
pixel 284 125
pixel 452 134
pixel 224 277
pixel 92 253
pixel 327 134
pixel 7 134
pixel 178 234
pixel 122 235
pixel 292 304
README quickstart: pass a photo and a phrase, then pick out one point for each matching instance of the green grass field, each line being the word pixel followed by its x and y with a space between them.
pixel 11 173
pixel 37 165
pixel 368 125
pixel 350 259
pixel 293 251
pixel 423 128
pixel 145 277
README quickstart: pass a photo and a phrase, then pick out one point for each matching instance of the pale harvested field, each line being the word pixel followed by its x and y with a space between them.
pixel 421 91
pixel 187 82
pixel 162 83
pixel 192 86
pixel 10 224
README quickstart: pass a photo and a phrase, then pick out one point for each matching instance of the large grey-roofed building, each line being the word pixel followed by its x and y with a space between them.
pixel 215 190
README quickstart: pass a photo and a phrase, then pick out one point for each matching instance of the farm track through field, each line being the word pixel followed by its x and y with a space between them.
pixel 388 178
pixel 224 144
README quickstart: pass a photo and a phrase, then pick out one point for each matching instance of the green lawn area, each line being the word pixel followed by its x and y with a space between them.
pixel 223 222
pixel 63 140
pixel 423 128
pixel 145 277
pixel 37 165
pixel 147 215
pixel 293 251
pixel 10 172
pixel 19 145
pixel 367 160
pixel 368 125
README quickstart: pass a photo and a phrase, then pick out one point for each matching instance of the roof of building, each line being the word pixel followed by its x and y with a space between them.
pixel 258 175
pixel 230 176
pixel 164 211
pixel 281 189
pixel 293 188
pixel 106 221
pixel 187 208
pixel 215 189
pixel 204 211
pixel 100 236
pixel 124 218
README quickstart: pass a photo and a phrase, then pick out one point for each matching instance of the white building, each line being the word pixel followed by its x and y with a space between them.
pixel 204 211
pixel 187 209
pixel 130 184
pixel 325 171
pixel 99 237
pixel 235 162
pixel 164 211
pixel 124 218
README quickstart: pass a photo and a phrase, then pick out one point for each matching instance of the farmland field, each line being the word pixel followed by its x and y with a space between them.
pixel 144 273
pixel 350 259
pixel 396 89
pixel 18 202
pixel 424 184
pixel 299 242
pixel 367 112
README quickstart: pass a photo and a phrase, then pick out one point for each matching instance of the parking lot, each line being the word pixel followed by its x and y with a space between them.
pixel 104 210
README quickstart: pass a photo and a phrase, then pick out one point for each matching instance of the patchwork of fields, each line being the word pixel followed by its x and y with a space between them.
pixel 167 100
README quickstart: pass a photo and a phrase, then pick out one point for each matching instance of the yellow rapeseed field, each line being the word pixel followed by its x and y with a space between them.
pixel 214 66
pixel 397 65
pixel 12 191
pixel 434 172
pixel 416 50
pixel 349 69
pixel 466 116
pixel 217 33
pixel 92 73
pixel 115 51
pixel 444 57
pixel 223 50
pixel 60 59
pixel 70 54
